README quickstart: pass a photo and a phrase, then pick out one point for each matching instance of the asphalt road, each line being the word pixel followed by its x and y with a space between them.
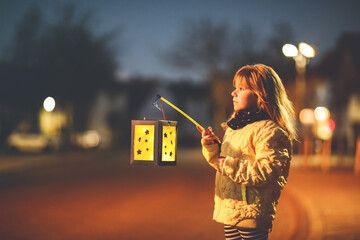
pixel 98 195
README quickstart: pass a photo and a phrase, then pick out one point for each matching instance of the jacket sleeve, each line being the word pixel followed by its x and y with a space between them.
pixel 211 154
pixel 272 154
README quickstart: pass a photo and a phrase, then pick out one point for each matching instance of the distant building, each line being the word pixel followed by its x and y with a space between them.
pixel 341 68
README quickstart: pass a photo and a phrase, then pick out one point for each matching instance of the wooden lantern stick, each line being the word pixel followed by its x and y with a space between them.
pixel 185 115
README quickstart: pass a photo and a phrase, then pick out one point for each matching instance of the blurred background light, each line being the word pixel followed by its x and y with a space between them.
pixel 307 116
pixel 49 104
pixel 325 129
pixel 51 123
pixel 88 139
pixel 306 50
pixel 322 113
pixel 331 124
pixel 290 50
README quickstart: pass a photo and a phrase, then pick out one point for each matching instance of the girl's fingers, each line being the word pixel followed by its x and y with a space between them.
pixel 208 131
pixel 210 136
pixel 209 139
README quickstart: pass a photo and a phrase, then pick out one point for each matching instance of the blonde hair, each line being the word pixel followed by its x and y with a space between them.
pixel 271 93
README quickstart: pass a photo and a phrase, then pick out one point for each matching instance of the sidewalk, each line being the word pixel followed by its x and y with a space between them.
pixel 45 196
pixel 330 202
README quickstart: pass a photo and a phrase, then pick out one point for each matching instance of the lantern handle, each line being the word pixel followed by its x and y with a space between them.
pixel 217 140
pixel 155 102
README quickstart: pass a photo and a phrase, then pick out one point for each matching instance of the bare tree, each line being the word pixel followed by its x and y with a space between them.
pixel 218 53
pixel 65 60
pixel 200 47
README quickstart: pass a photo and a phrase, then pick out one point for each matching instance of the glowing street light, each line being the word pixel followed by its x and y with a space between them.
pixel 301 55
pixel 289 50
pixel 49 104
pixel 306 50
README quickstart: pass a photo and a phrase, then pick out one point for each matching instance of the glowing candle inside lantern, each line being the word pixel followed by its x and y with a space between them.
pixel 144 142
pixel 168 143
pixel 153 142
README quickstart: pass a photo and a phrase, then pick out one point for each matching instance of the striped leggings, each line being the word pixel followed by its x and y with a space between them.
pixel 234 233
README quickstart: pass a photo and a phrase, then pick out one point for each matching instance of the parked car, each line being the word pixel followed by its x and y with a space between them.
pixel 32 142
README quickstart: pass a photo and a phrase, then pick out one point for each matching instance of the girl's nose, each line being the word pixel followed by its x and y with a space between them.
pixel 233 93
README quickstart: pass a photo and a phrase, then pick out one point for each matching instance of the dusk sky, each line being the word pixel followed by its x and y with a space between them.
pixel 148 26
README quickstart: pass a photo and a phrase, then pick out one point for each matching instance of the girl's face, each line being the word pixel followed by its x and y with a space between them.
pixel 244 98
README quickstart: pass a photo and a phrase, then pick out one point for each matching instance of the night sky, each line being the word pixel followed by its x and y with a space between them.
pixel 149 26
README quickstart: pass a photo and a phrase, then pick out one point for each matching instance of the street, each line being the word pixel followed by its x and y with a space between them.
pixel 98 195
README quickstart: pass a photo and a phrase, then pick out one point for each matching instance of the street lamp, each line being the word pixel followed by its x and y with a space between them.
pixel 301 57
pixel 290 50
pixel 49 104
pixel 306 50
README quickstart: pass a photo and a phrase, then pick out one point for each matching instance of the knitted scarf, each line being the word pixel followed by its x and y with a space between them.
pixel 243 118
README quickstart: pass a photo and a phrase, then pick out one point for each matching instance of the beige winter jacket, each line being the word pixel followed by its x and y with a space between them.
pixel 256 167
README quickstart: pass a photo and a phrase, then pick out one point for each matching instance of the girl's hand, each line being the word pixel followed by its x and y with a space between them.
pixel 208 137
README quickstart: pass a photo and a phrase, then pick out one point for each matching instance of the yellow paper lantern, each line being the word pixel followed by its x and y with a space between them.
pixel 153 142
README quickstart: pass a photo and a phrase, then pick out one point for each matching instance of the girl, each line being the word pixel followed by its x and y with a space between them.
pixel 254 160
